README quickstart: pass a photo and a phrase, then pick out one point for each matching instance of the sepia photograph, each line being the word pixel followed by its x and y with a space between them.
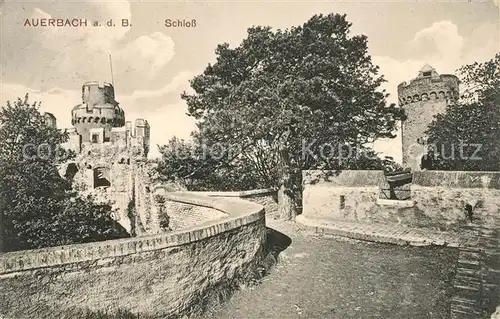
pixel 240 159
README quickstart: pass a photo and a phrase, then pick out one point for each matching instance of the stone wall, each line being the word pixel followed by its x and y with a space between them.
pixel 265 197
pixel 156 275
pixel 444 196
pixel 120 173
pixel 350 195
pixel 439 199
pixel 268 200
pixel 146 215
pixel 183 215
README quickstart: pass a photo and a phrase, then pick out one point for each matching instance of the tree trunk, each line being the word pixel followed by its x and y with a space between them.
pixel 286 203
pixel 286 206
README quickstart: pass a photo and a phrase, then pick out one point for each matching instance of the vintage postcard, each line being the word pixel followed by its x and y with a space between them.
pixel 249 159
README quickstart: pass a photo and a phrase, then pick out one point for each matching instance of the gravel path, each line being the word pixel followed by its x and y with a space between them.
pixel 331 277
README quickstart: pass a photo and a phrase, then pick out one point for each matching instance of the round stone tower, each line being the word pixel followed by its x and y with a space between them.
pixel 98 110
pixel 422 98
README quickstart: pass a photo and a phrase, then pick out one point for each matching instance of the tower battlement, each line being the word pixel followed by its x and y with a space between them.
pixel 429 85
pixel 99 123
pixel 98 110
pixel 96 92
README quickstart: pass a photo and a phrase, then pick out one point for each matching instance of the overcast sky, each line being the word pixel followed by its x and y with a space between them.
pixel 152 63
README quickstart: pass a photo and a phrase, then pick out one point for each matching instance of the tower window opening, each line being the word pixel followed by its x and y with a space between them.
pixel 101 177
pixel 427 73
pixel 342 201
pixel 95 138
pixel 426 162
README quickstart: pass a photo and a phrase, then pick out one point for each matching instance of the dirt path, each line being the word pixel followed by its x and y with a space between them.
pixel 320 277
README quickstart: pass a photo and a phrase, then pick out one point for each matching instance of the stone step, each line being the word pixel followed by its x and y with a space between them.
pixel 469 264
pixel 469 288
pixel 473 283
pixel 470 248
pixel 466 292
pixel 462 314
pixel 472 311
pixel 465 308
pixel 468 255
pixel 468 271
pixel 488 232
pixel 466 287
pixel 464 301
pixel 468 278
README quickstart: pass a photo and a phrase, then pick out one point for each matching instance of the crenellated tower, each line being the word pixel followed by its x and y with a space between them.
pixel 98 113
pixel 108 149
pixel 422 98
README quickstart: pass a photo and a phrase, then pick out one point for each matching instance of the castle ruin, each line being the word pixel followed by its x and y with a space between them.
pixel 108 149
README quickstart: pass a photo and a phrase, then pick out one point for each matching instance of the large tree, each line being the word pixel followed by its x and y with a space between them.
pixel 38 206
pixel 467 136
pixel 294 99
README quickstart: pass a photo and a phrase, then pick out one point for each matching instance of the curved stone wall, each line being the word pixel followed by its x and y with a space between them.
pixel 265 197
pixel 156 275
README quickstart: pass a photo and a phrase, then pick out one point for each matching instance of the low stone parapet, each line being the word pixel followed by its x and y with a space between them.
pixel 439 200
pixel 157 275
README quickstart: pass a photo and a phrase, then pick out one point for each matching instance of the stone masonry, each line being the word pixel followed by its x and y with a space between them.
pixel 422 98
pixel 107 150
pixel 165 275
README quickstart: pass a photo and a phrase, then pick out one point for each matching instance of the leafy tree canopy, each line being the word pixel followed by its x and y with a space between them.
pixel 294 99
pixel 467 136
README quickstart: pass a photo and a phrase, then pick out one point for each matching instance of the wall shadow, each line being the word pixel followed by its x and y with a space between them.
pixel 276 242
